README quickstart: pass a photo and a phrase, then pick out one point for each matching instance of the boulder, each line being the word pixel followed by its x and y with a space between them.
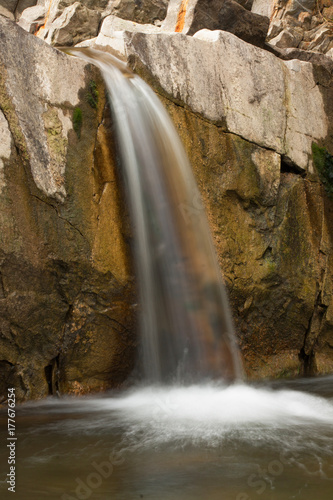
pixel 112 35
pixel 14 8
pixel 287 38
pixel 247 91
pixel 263 7
pixel 227 15
pixel 145 11
pixel 69 20
pixel 66 294
pixel 76 23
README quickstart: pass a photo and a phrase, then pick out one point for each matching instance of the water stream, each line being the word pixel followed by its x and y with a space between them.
pixel 186 326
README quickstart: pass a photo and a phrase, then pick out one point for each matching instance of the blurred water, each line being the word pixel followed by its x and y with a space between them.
pixel 211 441
pixel 187 330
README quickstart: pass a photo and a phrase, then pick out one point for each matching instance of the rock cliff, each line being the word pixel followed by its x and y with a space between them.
pixel 254 127
pixel 66 294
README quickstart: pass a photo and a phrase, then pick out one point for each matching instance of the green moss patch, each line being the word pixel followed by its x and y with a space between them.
pixel 323 161
pixel 92 95
pixel 77 121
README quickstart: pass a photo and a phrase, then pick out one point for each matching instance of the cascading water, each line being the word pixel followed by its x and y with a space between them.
pixel 187 331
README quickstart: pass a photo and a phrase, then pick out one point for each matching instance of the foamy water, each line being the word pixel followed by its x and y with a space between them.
pixel 200 413
pixel 181 443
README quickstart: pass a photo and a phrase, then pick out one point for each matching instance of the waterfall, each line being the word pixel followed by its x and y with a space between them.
pixel 186 325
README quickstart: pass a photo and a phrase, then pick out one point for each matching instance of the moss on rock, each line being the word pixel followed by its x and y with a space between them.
pixel 77 121
pixel 323 161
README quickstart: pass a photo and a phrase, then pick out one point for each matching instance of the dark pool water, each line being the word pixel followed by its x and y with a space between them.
pixel 177 443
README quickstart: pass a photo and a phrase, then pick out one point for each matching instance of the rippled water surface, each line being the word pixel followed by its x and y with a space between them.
pixel 199 442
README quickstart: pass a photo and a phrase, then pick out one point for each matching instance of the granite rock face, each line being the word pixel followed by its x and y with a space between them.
pixel 66 294
pixel 246 90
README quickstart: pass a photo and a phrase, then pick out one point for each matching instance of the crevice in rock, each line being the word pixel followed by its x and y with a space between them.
pixel 306 355
pixel 307 361
pixel 48 376
pixel 62 218
pixel 289 167
pixel 16 6
pixel 52 376
pixel 2 290
pixel 267 253
pixel 6 362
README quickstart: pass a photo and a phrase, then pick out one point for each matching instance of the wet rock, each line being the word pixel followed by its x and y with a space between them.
pixel 66 294
pixel 66 23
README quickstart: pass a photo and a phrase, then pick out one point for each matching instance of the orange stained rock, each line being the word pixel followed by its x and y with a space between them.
pixel 181 16
pixel 41 28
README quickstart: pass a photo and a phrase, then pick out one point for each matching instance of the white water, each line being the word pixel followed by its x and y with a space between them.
pixel 206 414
